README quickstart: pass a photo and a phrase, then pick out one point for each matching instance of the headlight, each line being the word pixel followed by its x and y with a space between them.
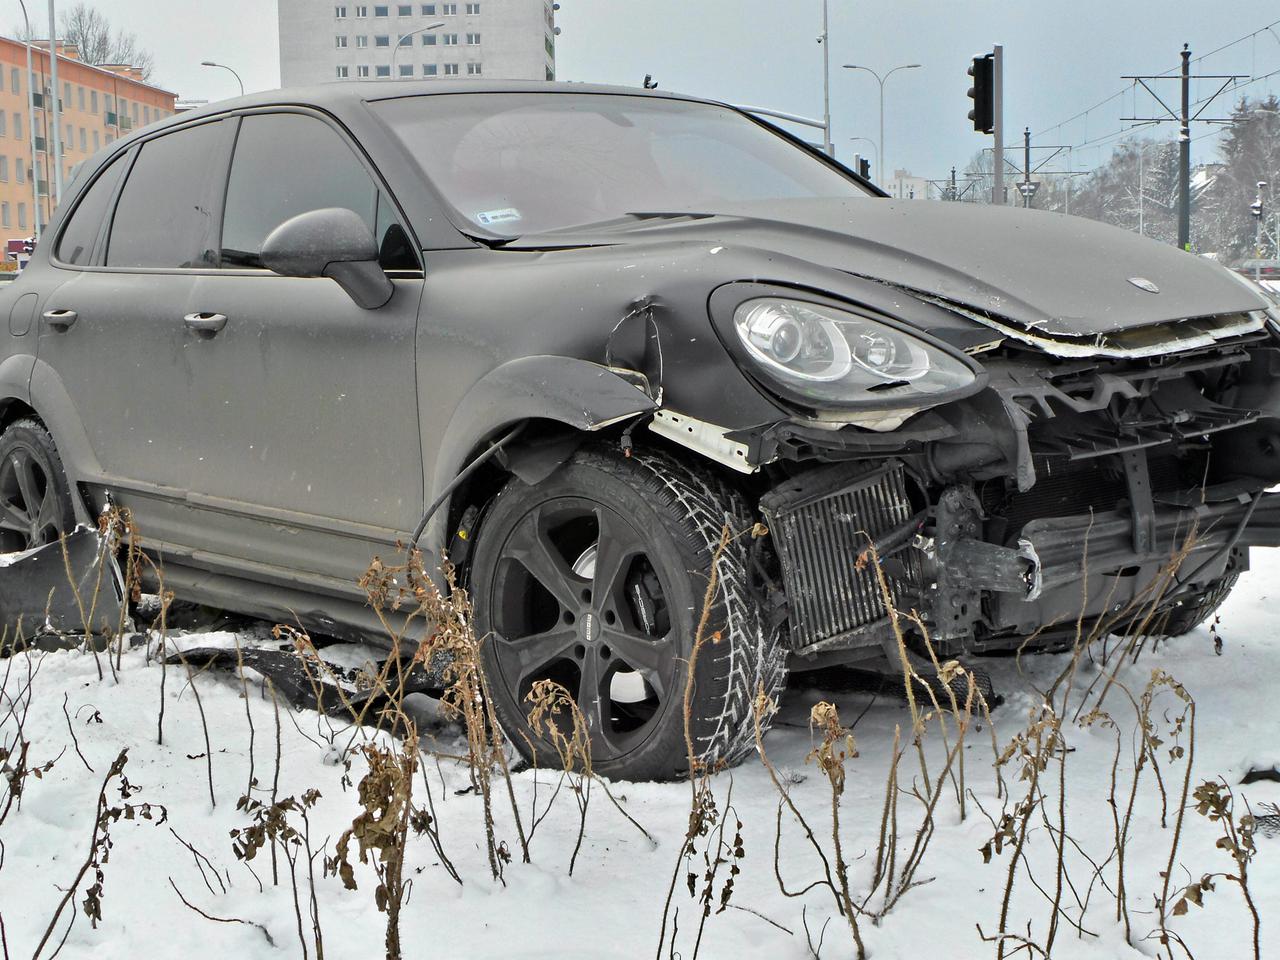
pixel 1272 298
pixel 824 354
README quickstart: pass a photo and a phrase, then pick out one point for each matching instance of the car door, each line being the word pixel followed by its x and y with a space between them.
pixel 112 338
pixel 308 448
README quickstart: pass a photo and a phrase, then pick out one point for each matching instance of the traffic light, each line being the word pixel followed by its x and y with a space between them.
pixel 1255 208
pixel 983 93
pixel 864 168
pixel 29 246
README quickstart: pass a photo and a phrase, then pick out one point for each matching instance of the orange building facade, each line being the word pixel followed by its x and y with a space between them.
pixel 99 104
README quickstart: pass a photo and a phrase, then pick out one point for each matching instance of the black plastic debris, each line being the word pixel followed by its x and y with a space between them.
pixel 72 586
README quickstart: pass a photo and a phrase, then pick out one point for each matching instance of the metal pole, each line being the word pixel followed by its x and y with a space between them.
pixel 1026 167
pixel 997 72
pixel 827 145
pixel 31 124
pixel 882 169
pixel 57 112
pixel 1184 155
pixel 1142 189
pixel 210 63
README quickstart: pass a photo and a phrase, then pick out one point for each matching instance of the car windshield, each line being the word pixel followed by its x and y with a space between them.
pixel 518 164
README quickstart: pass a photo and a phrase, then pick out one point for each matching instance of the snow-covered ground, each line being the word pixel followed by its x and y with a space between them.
pixel 612 905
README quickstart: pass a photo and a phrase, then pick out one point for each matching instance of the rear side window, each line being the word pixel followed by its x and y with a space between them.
pixel 286 164
pixel 82 231
pixel 168 213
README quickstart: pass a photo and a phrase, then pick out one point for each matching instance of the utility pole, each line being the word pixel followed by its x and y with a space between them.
pixel 825 40
pixel 1184 118
pixel 56 141
pixel 1027 189
pixel 1257 209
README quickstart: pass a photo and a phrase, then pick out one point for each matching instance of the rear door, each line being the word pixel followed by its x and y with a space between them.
pixel 308 451
pixel 112 335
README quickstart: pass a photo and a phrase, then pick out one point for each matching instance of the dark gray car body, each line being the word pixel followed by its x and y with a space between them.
pixel 268 463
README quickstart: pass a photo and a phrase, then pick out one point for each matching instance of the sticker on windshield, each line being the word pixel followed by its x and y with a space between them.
pixel 492 217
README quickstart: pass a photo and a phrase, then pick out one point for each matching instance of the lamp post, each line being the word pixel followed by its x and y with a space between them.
pixel 405 36
pixel 57 109
pixel 825 40
pixel 881 80
pixel 223 66
pixel 31 124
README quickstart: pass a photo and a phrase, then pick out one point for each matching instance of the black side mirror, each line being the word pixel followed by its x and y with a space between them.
pixel 334 243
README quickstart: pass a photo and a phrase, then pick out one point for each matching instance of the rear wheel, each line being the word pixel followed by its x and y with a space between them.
pixel 35 500
pixel 595 579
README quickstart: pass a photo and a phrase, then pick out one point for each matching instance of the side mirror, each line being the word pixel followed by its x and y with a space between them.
pixel 334 243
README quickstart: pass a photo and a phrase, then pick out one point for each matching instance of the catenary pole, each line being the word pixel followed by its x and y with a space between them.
pixel 997 73
pixel 1184 155
pixel 31 123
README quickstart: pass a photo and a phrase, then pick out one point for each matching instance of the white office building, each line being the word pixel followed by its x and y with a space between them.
pixel 323 40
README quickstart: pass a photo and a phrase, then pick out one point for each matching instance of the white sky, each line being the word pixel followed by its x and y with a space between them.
pixel 1061 57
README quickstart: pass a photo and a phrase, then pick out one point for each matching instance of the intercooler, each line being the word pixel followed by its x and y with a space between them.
pixel 820 524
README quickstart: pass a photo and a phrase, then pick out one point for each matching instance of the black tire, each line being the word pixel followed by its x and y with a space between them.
pixel 1197 610
pixel 35 499
pixel 662 523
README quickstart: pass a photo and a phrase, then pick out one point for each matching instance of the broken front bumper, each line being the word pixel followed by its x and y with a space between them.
pixel 829 527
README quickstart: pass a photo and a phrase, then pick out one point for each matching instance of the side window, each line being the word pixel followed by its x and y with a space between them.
pixel 81 233
pixel 167 215
pixel 266 189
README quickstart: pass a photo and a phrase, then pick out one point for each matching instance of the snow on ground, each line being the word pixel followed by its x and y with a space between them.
pixel 612 905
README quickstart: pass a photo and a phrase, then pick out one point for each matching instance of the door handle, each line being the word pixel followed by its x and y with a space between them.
pixel 208 324
pixel 61 319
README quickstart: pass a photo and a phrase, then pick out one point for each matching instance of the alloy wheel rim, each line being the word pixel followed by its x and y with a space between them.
pixel 577 600
pixel 29 507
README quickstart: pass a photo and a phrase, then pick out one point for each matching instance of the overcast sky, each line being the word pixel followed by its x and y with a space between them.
pixel 1061 58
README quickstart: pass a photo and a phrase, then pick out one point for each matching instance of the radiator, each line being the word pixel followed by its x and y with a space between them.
pixel 819 524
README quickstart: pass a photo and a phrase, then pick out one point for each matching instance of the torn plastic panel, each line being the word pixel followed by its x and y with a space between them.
pixel 56 588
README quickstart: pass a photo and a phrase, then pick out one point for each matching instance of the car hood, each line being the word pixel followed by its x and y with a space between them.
pixel 1057 275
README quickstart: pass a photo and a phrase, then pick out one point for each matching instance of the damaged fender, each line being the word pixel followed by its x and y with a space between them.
pixel 581 395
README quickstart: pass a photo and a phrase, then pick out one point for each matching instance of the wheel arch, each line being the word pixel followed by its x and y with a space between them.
pixel 561 401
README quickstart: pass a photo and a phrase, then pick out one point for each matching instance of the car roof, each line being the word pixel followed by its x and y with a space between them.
pixel 340 96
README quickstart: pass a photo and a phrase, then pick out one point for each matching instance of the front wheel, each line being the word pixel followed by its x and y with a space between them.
pixel 35 499
pixel 596 578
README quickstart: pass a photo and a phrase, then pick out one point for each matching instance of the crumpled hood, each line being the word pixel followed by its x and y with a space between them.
pixel 1054 274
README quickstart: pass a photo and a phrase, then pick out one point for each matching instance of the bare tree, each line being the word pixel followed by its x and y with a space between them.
pixel 97 42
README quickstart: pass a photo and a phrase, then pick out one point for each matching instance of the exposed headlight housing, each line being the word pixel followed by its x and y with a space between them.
pixel 826 356
pixel 1273 299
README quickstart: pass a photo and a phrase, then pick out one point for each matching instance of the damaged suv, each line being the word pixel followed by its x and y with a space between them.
pixel 585 330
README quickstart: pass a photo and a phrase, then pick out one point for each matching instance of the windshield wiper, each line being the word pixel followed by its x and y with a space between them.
pixel 627 219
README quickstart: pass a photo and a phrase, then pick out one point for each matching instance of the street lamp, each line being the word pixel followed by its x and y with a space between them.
pixel 881 80
pixel 405 36
pixel 31 121
pixel 223 66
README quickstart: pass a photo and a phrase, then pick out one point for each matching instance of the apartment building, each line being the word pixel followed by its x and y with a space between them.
pixel 98 104
pixel 323 40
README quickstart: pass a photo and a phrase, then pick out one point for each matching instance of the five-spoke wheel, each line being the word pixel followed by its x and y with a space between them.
pixel 35 506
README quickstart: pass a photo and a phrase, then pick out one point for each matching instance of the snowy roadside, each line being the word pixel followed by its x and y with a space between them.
pixel 612 905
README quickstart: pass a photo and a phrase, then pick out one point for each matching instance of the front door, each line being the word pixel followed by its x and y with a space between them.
pixel 307 449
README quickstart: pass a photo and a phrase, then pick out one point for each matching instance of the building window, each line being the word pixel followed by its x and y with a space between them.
pixel 406 40
pixel 344 73
pixel 15 77
pixel 384 71
pixel 340 12
pixel 362 71
pixel 406 69
pixel 450 69
pixel 430 70
pixel 17 126
pixel 97 142
pixel 473 39
pixel 84 140
pixel 340 42
pixel 21 167
pixel 473 69
pixel 428 9
pixel 428 39
pixel 380 10
pixel 146 115
pixel 4 122
pixel 362 42
pixel 450 39
pixel 449 9
pixel 4 169
pixel 22 216
pixel 93 101
pixel 473 9
pixel 382 41
pixel 361 10
pixel 4 215
pixel 80 98
pixel 404 10
pixel 66 93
